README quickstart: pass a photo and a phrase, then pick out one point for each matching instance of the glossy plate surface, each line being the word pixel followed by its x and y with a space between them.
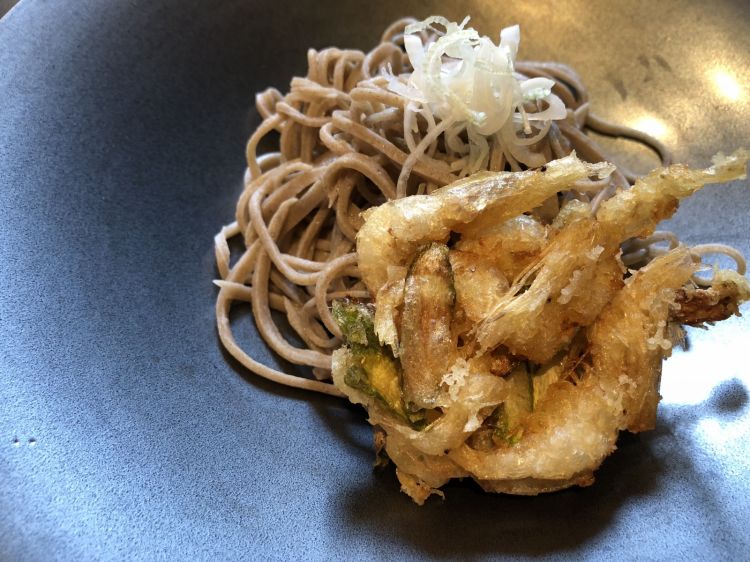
pixel 125 431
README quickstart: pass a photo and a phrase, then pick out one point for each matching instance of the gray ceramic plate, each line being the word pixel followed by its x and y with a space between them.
pixel 126 433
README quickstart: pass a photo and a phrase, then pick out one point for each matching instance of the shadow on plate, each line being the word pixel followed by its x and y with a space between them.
pixel 471 522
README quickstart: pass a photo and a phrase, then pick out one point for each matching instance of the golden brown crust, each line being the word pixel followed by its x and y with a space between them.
pixel 536 486
pixel 700 306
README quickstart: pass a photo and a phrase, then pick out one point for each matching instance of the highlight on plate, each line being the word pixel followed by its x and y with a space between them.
pixel 458 255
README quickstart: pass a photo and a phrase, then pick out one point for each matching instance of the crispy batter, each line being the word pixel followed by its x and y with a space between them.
pixel 529 321
pixel 575 276
pixel 479 283
pixel 393 232
pixel 427 345
pixel 589 336
pixel 509 246
pixel 575 426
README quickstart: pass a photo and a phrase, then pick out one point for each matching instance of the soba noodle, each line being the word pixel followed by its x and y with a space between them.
pixel 347 142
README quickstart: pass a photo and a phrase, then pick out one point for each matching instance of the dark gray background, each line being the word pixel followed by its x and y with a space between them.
pixel 6 5
pixel 126 433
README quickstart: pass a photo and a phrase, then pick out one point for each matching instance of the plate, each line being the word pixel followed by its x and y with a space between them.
pixel 126 431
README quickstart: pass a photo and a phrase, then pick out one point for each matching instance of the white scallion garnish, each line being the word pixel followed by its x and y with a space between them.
pixel 465 79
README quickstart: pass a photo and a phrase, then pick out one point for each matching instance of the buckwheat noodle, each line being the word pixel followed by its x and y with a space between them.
pixel 342 148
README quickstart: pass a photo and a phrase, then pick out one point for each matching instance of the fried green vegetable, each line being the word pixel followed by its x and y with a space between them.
pixel 355 320
pixel 373 369
pixel 520 402
pixel 503 431
pixel 377 375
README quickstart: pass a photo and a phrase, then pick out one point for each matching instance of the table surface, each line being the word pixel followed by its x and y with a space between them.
pixel 127 433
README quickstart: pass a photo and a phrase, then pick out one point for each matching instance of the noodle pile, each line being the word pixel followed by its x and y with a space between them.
pixel 343 148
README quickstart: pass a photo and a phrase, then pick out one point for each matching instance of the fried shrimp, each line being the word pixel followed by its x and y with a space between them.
pixel 522 383
pixel 394 231
pixel 575 425
pixel 541 311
